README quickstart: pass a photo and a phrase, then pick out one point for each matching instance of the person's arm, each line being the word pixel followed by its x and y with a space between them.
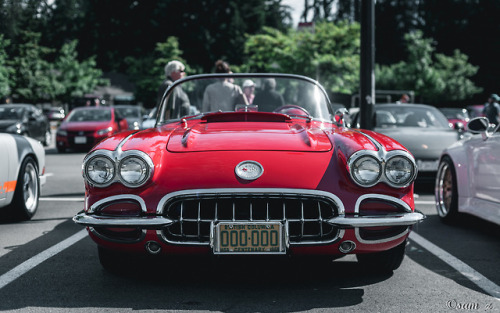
pixel 206 101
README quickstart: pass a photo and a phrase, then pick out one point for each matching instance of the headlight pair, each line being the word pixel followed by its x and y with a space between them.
pixel 396 168
pixel 132 168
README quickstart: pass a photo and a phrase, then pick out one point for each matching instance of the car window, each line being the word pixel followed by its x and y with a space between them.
pixel 129 112
pixel 11 113
pixel 90 115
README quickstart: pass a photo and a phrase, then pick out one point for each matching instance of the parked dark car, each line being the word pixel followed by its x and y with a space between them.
pixel 86 126
pixel 25 119
pixel 55 114
pixel 458 117
pixel 134 114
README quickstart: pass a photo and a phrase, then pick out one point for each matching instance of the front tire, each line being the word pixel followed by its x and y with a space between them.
pixel 446 192
pixel 384 262
pixel 27 193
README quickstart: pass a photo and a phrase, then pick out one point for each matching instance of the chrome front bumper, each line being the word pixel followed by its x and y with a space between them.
pixel 400 219
pixel 158 222
pixel 154 222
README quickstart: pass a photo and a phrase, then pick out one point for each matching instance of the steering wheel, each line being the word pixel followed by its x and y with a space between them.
pixel 291 109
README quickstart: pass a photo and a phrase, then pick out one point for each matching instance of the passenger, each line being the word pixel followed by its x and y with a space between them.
pixel 268 99
pixel 248 90
pixel 222 95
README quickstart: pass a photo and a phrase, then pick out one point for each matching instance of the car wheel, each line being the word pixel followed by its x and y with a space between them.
pixel 385 261
pixel 446 191
pixel 27 193
pixel 47 138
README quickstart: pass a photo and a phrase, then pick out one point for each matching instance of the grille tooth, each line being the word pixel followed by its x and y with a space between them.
pixel 304 214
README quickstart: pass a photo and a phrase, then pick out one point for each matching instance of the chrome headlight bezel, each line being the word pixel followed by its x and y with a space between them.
pixel 145 170
pixel 87 170
pixel 366 162
pixel 383 158
pixel 410 172
pixel 117 158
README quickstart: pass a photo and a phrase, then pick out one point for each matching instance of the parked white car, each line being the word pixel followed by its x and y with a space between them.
pixel 468 178
pixel 22 173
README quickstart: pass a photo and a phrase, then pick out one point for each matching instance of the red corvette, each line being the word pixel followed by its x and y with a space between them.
pixel 86 126
pixel 283 175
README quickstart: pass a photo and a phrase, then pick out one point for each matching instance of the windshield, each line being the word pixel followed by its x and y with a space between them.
pixel 286 94
pixel 89 115
pixel 11 113
pixel 129 112
pixel 410 116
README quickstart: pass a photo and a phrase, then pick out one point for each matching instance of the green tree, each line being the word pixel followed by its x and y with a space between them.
pixel 329 54
pixel 434 77
pixel 75 78
pixel 32 80
pixel 148 72
pixel 5 69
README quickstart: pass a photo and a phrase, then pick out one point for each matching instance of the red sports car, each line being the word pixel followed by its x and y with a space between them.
pixel 281 176
pixel 86 126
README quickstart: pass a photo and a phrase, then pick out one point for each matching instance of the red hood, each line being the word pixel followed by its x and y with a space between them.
pixel 249 136
pixel 85 126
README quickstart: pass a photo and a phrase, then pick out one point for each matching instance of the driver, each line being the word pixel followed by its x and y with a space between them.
pixel 268 99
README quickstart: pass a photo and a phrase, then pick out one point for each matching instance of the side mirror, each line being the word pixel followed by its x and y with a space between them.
pixel 478 125
pixel 341 117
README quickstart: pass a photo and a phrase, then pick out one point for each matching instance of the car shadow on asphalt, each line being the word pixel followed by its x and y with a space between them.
pixel 474 241
pixel 74 279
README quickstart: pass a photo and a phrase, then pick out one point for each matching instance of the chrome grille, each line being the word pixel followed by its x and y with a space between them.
pixel 304 214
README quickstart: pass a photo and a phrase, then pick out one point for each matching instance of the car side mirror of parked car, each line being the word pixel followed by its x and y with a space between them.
pixel 481 125
pixel 478 125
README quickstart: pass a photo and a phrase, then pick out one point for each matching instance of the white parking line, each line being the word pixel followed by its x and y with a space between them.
pixel 61 199
pixel 475 277
pixel 24 267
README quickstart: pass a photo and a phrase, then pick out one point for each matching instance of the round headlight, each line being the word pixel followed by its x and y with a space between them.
pixel 134 171
pixel 100 170
pixel 366 171
pixel 399 170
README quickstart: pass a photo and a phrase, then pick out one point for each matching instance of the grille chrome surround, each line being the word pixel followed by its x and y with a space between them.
pixel 305 212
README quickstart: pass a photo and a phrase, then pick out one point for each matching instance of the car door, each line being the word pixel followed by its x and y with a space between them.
pixel 484 158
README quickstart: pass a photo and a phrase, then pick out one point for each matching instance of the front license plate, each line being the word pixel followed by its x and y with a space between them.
pixel 80 139
pixel 249 238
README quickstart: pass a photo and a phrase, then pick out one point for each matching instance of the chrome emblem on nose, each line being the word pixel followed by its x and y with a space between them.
pixel 249 170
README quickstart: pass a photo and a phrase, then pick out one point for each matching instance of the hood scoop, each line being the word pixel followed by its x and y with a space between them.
pixel 248 136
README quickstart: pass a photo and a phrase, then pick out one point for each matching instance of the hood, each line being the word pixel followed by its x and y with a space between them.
pixel 422 142
pixel 248 135
pixel 6 123
pixel 84 126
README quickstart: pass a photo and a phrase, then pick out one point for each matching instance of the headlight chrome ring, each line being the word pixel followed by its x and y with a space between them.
pixel 132 168
pixel 396 168
pixel 99 170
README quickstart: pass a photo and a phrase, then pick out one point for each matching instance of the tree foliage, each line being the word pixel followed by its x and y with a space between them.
pixel 147 73
pixel 329 54
pixel 433 76
pixel 45 75
pixel 5 70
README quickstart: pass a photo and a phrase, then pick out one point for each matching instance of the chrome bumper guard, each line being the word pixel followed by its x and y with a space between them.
pixel 158 222
pixel 400 219
pixel 149 222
